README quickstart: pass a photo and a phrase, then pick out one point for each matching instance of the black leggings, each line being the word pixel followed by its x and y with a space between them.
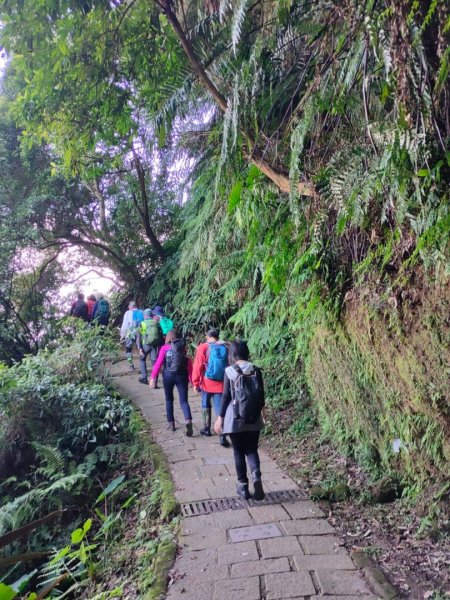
pixel 245 444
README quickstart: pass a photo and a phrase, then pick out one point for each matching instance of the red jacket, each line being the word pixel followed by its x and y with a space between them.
pixel 198 371
pixel 91 304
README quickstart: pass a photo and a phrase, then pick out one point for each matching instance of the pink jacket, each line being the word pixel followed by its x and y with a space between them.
pixel 160 360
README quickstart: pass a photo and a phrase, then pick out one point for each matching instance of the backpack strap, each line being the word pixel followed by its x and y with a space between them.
pixel 233 382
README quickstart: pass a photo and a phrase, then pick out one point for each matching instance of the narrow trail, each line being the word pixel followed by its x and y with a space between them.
pixel 280 548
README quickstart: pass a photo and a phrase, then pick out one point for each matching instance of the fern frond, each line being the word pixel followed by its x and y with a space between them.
pixel 236 26
pixel 52 458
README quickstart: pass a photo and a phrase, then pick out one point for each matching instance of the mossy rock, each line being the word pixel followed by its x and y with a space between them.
pixel 337 493
pixel 160 568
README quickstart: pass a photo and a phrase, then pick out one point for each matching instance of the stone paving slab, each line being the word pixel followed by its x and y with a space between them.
pixel 311 562
pixel 185 589
pixel 283 546
pixel 260 567
pixel 199 541
pixel 341 583
pixel 306 559
pixel 303 510
pixel 268 513
pixel 237 553
pixel 247 588
pixel 324 544
pixel 255 532
pixel 223 520
pixel 288 585
pixel 306 527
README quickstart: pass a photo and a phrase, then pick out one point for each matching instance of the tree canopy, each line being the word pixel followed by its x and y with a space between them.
pixel 277 168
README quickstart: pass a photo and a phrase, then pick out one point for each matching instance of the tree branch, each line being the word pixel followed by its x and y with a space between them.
pixel 145 214
pixel 280 178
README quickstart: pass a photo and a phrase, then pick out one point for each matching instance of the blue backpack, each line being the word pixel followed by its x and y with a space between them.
pixel 217 362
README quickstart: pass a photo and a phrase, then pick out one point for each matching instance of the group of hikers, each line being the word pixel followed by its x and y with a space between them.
pixel 95 309
pixel 221 372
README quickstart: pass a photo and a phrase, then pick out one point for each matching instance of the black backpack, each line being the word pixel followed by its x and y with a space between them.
pixel 248 396
pixel 80 309
pixel 176 359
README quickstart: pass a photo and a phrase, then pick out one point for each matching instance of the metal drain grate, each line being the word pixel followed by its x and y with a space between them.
pixel 206 507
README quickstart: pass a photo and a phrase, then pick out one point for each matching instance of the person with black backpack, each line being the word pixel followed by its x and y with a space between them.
pixel 177 372
pixel 149 341
pixel 241 417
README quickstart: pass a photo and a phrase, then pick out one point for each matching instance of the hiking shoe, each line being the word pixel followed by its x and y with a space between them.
pixel 189 430
pixel 242 491
pixel 205 431
pixel 258 493
pixel 224 441
pixel 144 381
pixel 171 426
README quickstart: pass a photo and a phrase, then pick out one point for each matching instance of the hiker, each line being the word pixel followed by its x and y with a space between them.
pixel 165 323
pixel 91 300
pixel 79 308
pixel 241 417
pixel 101 312
pixel 177 372
pixel 129 330
pixel 211 359
pixel 149 341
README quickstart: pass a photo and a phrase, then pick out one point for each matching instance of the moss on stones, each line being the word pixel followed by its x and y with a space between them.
pixel 375 385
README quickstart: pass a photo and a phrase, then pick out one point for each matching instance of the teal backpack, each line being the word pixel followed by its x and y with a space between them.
pixel 166 324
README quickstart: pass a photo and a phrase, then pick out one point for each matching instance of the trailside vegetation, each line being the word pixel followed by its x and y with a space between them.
pixel 78 471
pixel 310 140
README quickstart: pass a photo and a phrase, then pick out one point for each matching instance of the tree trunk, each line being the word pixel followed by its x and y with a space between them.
pixel 144 212
pixel 280 178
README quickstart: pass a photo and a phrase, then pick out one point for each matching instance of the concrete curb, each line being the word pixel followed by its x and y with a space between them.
pixel 375 577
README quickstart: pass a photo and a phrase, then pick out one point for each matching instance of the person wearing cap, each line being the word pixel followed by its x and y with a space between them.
pixel 208 372
pixel 149 341
pixel 129 330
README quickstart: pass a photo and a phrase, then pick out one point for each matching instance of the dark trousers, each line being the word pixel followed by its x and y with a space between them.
pixel 245 444
pixel 147 350
pixel 170 380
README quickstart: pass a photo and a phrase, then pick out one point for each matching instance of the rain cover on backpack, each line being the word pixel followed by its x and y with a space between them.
pixel 166 324
pixel 150 332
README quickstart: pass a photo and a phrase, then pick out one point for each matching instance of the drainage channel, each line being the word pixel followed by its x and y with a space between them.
pixel 206 507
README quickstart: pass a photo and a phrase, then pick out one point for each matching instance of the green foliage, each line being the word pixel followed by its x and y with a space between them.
pixel 90 416
pixel 66 475
pixel 337 292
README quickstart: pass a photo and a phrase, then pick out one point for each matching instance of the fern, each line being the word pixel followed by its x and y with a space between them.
pixel 224 7
pixel 238 20
pixel 52 459
pixel 24 508
pixel 298 138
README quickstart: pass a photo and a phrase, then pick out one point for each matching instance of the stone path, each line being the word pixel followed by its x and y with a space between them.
pixel 269 551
